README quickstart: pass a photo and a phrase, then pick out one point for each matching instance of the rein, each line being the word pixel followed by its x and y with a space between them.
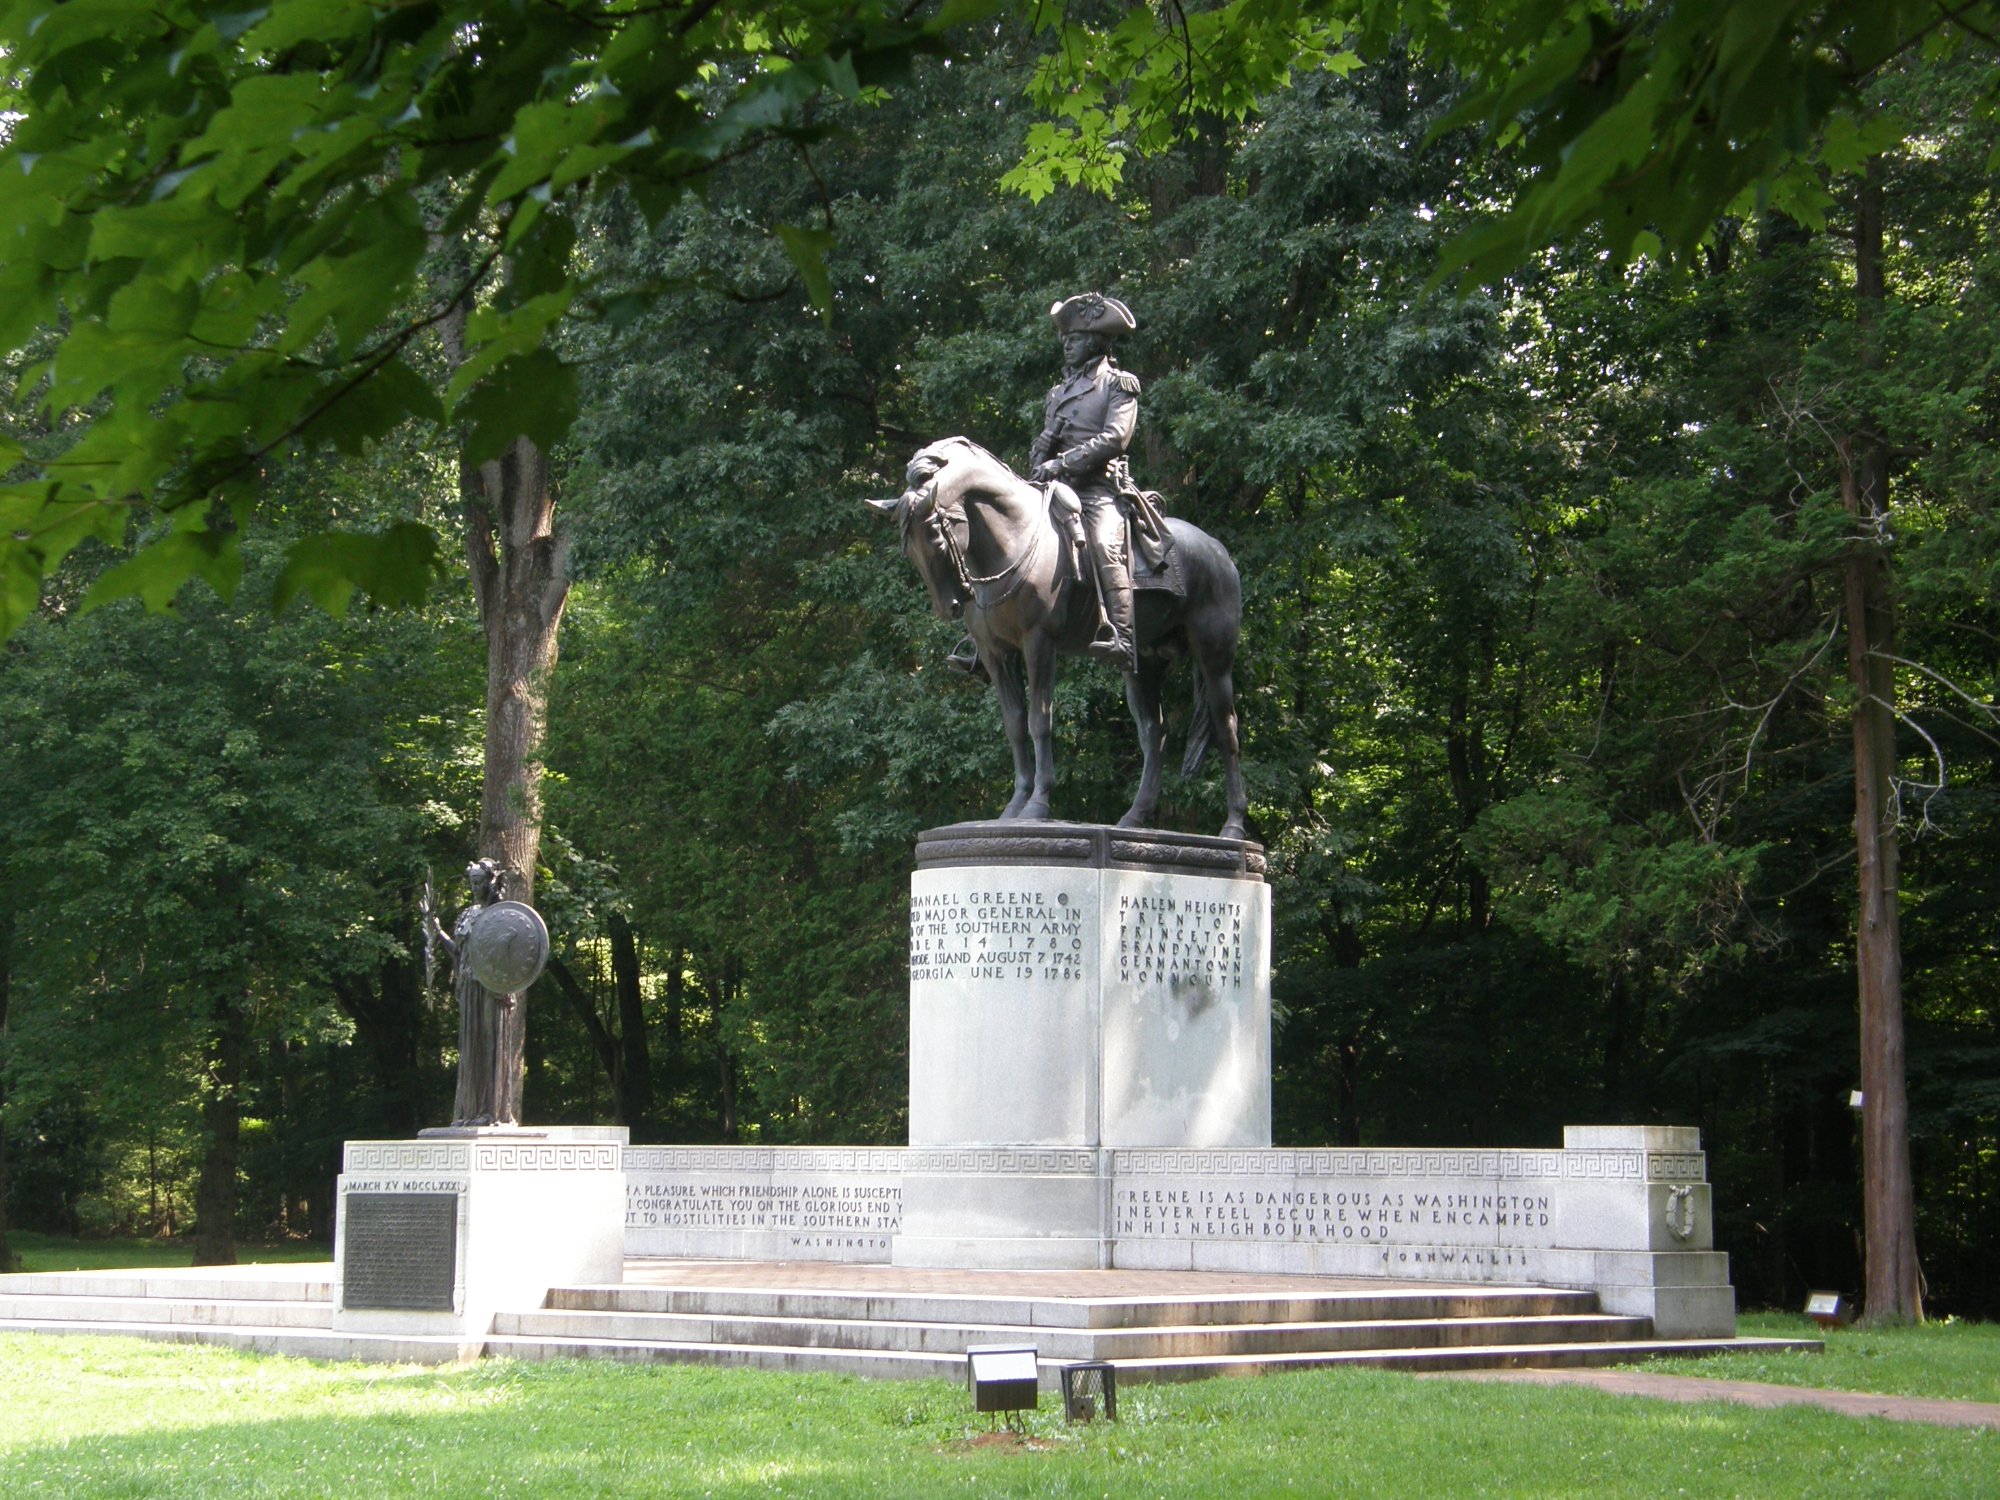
pixel 941 528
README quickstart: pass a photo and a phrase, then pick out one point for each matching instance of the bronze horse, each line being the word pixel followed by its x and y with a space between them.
pixel 990 553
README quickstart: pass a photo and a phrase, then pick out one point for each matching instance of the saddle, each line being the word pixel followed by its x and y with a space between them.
pixel 1150 546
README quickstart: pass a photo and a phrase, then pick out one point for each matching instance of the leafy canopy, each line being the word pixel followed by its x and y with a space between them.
pixel 225 212
pixel 1649 121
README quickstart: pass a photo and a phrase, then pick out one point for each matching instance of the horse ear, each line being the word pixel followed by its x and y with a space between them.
pixel 890 508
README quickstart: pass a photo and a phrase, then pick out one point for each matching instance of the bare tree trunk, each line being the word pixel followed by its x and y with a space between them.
pixel 222 1122
pixel 637 1058
pixel 676 996
pixel 1894 1293
pixel 520 580
pixel 601 1039
pixel 8 1261
pixel 388 1015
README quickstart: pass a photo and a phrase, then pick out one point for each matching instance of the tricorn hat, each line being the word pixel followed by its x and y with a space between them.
pixel 1093 312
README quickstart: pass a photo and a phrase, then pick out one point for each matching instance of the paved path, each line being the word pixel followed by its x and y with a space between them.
pixel 1753 1393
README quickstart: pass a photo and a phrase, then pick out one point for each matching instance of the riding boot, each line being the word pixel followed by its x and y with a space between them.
pixel 1114 641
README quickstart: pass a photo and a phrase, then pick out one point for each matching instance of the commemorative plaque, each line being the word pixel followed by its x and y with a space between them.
pixel 402 1251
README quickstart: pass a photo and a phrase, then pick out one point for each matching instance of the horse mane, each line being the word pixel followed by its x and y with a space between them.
pixel 947 449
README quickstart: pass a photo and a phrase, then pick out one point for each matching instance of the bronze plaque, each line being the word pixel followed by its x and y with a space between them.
pixel 402 1251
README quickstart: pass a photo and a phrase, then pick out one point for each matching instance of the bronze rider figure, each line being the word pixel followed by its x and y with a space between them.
pixel 1086 428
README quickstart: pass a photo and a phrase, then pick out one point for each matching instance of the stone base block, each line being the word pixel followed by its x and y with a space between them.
pixel 1004 1209
pixel 436 1235
pixel 1621 1210
pixel 1677 1311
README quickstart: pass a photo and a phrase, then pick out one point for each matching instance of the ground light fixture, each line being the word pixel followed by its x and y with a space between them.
pixel 1090 1390
pixel 1003 1378
pixel 1829 1309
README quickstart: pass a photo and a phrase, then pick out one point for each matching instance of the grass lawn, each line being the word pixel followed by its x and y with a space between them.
pixel 1953 1360
pixel 44 1252
pixel 116 1417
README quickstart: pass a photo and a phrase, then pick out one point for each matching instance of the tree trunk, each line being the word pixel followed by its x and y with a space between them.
pixel 520 581
pixel 725 1063
pixel 1347 955
pixel 1465 758
pixel 601 1039
pixel 222 1123
pixel 1894 1292
pixel 519 558
pixel 638 1063
pixel 8 1261
pixel 676 999
pixel 388 1016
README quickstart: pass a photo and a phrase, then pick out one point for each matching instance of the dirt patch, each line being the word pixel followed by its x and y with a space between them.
pixel 999 1442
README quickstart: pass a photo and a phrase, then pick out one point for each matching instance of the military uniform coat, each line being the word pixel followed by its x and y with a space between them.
pixel 1089 420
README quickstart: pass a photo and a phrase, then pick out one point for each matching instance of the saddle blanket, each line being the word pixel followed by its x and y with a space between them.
pixel 1169 576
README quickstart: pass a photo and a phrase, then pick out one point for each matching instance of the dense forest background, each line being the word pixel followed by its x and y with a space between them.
pixel 1546 714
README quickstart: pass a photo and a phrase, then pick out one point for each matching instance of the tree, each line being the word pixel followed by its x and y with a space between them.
pixel 8 1260
pixel 219 214
pixel 1646 127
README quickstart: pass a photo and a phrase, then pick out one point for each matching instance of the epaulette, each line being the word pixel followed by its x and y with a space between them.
pixel 1127 381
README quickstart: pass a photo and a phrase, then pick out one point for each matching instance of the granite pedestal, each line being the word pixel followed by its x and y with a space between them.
pixel 1074 990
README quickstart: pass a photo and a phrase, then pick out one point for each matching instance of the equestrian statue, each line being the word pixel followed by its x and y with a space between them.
pixel 1076 559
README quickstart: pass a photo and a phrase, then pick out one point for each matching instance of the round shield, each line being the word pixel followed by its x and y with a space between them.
pixel 507 947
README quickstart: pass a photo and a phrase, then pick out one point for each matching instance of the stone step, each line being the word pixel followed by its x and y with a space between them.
pixel 1074 1312
pixel 1471 1357
pixel 78 1307
pixel 312 1282
pixel 301 1343
pixel 878 1364
pixel 933 1337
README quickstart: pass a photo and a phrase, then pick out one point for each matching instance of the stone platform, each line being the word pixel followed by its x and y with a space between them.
pixel 889 1321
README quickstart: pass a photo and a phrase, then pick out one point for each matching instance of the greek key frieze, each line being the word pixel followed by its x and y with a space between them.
pixel 407 1156
pixel 737 1159
pixel 1019 1160
pixel 494 1156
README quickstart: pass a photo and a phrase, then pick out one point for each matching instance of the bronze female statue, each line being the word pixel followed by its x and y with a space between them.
pixel 490 1025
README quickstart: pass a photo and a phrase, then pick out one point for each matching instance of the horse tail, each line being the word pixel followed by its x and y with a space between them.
pixel 1201 727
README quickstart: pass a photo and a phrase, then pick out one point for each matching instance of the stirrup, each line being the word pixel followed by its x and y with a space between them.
pixel 1109 645
pixel 965 658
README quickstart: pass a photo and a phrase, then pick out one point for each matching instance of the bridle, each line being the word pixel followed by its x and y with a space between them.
pixel 940 523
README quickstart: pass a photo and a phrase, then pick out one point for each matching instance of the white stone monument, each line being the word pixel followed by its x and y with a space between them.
pixel 1090 1076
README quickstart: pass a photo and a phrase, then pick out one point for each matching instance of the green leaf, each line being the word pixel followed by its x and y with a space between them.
pixel 20 584
pixel 495 335
pixel 395 567
pixel 376 406
pixel 808 251
pixel 159 570
pixel 530 395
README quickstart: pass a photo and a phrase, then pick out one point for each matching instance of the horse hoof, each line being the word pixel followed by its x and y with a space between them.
pixel 1134 819
pixel 1233 830
pixel 1035 812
